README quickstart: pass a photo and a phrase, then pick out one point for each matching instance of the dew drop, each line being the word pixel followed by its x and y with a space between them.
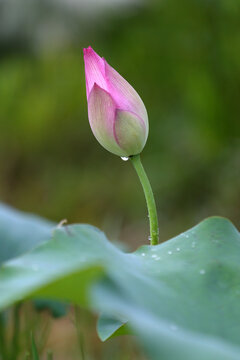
pixel 143 254
pixel 154 256
pixel 170 252
pixel 124 158
pixel 178 249
pixel 202 272
pixel 187 236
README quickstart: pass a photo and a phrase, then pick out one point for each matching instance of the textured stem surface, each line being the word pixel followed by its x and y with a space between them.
pixel 151 205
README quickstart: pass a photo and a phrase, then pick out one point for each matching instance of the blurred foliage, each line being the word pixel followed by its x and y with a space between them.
pixel 184 60
pixel 71 337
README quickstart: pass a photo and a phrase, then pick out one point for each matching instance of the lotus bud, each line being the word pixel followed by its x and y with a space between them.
pixel 117 115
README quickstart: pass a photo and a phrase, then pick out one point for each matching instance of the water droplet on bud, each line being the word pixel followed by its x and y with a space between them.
pixel 124 158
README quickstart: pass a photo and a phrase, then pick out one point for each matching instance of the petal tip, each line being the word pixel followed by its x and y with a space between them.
pixel 88 51
pixel 96 88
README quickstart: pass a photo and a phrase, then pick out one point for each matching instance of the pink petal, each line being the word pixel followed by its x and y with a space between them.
pixel 124 94
pixel 94 70
pixel 101 113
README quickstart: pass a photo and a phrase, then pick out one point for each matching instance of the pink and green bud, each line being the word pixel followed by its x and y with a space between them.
pixel 117 115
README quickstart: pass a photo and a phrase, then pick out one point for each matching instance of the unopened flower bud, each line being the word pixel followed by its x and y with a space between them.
pixel 117 115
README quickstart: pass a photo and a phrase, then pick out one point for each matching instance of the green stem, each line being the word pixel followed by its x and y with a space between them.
pixel 152 210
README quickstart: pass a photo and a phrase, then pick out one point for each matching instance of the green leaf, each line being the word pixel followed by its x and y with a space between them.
pixel 108 326
pixel 190 303
pixel 20 232
pixel 181 297
pixel 61 268
pixel 161 339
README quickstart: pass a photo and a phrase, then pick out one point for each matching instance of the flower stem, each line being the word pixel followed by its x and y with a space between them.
pixel 151 205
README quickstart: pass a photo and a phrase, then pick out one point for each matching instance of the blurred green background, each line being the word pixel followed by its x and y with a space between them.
pixel 183 57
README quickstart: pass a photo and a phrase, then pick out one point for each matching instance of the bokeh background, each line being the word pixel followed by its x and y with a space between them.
pixel 183 57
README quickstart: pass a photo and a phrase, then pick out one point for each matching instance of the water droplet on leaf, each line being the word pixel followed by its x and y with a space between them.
pixel 124 158
pixel 202 272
